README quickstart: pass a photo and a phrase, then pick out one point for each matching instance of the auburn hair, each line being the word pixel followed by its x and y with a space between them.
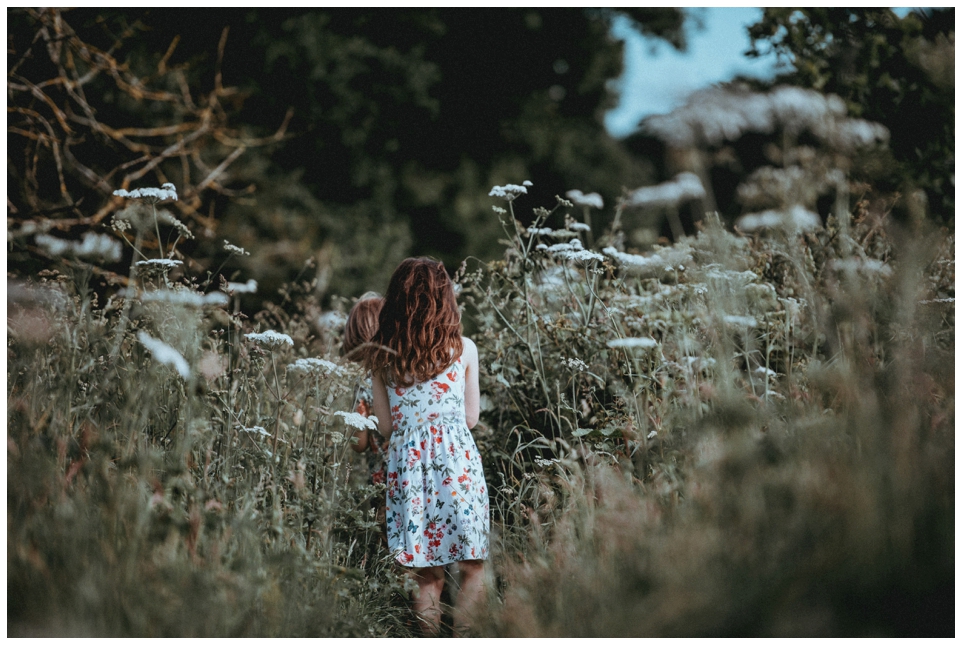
pixel 361 326
pixel 419 328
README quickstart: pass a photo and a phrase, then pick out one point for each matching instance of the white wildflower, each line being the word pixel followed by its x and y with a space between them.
pixel 767 372
pixel 270 338
pixel 185 297
pixel 947 301
pixel 160 266
pixel 310 365
pixel 864 266
pixel 337 438
pixel 526 182
pixel 573 251
pixel 539 231
pixel 652 434
pixel 579 226
pixel 167 217
pixel 165 354
pixel 150 195
pixel 508 192
pixel 332 320
pixel 592 200
pixel 796 219
pixel 628 343
pixel 233 248
pixel 498 210
pixel 544 463
pixel 93 245
pixel 575 364
pixel 257 430
pixel 683 187
pixel 741 321
pixel 358 421
pixel 242 287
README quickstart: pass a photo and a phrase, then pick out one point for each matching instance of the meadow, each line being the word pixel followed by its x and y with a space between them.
pixel 746 432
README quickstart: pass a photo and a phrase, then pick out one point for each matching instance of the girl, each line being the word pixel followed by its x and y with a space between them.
pixel 426 399
pixel 358 331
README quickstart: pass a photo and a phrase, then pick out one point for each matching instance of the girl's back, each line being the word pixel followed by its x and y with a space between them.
pixel 439 400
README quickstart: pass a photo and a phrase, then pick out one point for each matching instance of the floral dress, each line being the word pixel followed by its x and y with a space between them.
pixel 437 500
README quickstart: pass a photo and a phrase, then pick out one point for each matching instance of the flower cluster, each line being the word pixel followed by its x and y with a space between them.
pixel 629 343
pixel 232 248
pixel 165 354
pixel 592 200
pixel 358 421
pixel 158 266
pixel 185 297
pixel 241 287
pixel 311 365
pixel 572 251
pixel 509 192
pixel 92 246
pixel 684 187
pixel 150 195
pixel 796 219
pixel 270 338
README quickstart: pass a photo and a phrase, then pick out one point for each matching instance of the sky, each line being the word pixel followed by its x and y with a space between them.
pixel 657 78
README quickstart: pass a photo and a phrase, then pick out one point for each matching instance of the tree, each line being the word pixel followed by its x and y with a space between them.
pixel 899 72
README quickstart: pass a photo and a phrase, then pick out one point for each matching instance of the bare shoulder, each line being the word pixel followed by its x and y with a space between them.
pixel 470 349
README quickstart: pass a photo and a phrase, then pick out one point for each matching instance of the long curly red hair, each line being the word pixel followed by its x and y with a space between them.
pixel 419 327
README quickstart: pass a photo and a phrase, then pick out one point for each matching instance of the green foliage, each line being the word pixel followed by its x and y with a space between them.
pixel 895 71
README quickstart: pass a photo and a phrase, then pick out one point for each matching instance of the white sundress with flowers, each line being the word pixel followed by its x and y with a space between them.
pixel 437 500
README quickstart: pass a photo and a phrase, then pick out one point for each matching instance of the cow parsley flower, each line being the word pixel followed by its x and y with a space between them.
pixel 628 343
pixel 165 354
pixel 741 321
pixel 150 195
pixel 575 364
pixel 311 365
pixel 242 287
pixel 508 192
pixel 684 187
pixel 270 338
pixel 234 249
pixel 160 266
pixel 573 251
pixel 185 297
pixel 93 245
pixel 591 200
pixel 796 219
pixel 579 226
pixel 358 421
pixel 332 320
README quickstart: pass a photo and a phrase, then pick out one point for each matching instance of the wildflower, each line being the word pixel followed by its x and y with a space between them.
pixel 796 219
pixel 257 430
pixel 242 287
pixel 358 421
pixel 167 217
pixel 683 187
pixel 539 231
pixel 185 297
pixel 337 437
pixel 526 182
pixel 310 365
pixel 627 343
pixel 498 210
pixel 270 338
pixel 575 364
pixel 234 249
pixel 864 266
pixel 659 262
pixel 652 434
pixel 741 321
pixel 508 192
pixel 592 200
pixel 767 372
pixel 573 251
pixel 158 266
pixel 165 354
pixel 92 246
pixel 578 226
pixel 150 195
pixel 332 320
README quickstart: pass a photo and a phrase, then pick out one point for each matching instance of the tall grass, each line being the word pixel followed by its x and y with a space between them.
pixel 736 434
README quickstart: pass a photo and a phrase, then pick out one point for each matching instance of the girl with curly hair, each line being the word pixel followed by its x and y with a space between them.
pixel 427 399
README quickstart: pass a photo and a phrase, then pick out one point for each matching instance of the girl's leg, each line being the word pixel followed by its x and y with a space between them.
pixel 427 605
pixel 471 595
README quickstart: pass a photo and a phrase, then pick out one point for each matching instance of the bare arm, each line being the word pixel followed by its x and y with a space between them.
pixel 382 406
pixel 472 391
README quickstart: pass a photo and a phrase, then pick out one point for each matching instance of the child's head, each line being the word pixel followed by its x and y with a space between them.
pixel 419 329
pixel 361 326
